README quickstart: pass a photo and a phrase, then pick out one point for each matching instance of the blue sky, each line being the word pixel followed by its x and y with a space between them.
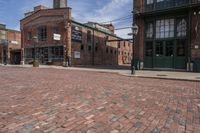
pixel 11 11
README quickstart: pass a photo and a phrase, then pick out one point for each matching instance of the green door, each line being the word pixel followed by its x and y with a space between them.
pixel 164 54
pixel 159 54
pixel 169 54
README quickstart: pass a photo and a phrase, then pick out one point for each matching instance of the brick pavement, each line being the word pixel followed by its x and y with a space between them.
pixel 34 100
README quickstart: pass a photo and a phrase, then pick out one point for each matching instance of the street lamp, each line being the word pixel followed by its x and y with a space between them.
pixel 35 63
pixel 135 30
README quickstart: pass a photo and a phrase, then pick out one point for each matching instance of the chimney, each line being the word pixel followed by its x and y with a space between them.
pixel 59 3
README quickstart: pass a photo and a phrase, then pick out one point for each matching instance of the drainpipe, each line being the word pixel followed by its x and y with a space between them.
pixel 93 47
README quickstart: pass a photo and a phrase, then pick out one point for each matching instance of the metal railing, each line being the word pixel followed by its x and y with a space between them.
pixel 164 5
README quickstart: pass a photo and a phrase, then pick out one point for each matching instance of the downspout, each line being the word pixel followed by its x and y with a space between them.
pixel 189 42
pixel 93 47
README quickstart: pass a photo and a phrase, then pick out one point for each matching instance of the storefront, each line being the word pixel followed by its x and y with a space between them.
pixel 166 43
pixel 45 55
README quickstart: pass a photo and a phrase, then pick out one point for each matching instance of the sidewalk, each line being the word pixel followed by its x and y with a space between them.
pixel 188 76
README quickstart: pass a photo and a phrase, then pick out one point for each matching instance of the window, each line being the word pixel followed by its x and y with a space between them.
pixel 118 44
pixel 160 0
pixel 149 49
pixel 149 32
pixel 89 38
pixel 115 52
pixel 29 36
pixel 106 50
pixel 180 48
pixel 169 48
pixel 89 48
pixel 159 48
pixel 42 34
pixel 165 28
pixel 124 44
pixel 56 30
pixel 181 28
pixel 96 48
pixel 111 51
pixel 149 2
pixel 82 47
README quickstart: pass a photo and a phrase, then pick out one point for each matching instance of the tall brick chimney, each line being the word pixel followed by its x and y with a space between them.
pixel 59 3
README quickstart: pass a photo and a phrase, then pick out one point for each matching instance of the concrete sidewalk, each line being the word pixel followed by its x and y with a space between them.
pixel 188 76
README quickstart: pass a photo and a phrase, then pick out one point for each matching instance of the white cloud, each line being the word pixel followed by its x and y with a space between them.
pixel 110 11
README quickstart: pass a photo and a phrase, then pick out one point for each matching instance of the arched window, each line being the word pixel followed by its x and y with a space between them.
pixel 181 28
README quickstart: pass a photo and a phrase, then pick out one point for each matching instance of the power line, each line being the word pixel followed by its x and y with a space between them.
pixel 122 28
pixel 118 19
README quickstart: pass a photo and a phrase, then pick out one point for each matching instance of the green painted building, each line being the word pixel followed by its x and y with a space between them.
pixel 169 34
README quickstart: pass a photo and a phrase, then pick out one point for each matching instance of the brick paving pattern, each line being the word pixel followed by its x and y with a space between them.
pixel 66 101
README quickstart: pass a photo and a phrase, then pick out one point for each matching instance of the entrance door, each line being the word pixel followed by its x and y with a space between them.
pixel 169 54
pixel 159 54
pixel 164 54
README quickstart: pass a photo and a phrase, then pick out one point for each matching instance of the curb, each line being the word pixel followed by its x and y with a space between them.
pixel 112 72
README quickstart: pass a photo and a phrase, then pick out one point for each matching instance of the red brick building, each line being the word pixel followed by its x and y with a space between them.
pixel 168 34
pixel 10 46
pixel 61 40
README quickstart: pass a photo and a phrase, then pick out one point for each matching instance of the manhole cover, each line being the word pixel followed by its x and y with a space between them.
pixel 162 75
pixel 197 77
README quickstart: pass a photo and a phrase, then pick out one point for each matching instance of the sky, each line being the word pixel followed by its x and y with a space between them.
pixel 12 11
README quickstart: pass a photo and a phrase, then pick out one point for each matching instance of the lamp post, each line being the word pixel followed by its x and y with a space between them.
pixel 35 63
pixel 134 34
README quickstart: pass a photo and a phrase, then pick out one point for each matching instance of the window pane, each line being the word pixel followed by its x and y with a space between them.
pixel 149 49
pixel 181 28
pixel 169 51
pixel 181 47
pixel 159 48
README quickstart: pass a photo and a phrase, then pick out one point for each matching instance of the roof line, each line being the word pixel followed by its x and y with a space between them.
pixel 113 35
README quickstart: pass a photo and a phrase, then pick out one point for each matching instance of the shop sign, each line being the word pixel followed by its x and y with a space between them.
pixel 56 37
pixel 77 55
pixel 76 34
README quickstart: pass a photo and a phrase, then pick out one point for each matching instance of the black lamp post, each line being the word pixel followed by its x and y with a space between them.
pixel 135 29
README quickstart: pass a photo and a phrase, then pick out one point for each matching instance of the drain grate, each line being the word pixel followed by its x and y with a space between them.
pixel 161 75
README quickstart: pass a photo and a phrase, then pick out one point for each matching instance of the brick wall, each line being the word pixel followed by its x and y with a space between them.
pixel 195 36
pixel 100 53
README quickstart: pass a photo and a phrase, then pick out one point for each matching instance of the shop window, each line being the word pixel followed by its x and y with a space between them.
pixel 165 28
pixel 42 33
pixel 149 32
pixel 149 49
pixel 180 48
pixel 181 28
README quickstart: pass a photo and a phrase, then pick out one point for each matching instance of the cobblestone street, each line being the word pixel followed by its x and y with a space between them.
pixel 34 100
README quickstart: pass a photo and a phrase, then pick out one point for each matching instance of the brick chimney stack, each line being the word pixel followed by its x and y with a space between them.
pixel 59 3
